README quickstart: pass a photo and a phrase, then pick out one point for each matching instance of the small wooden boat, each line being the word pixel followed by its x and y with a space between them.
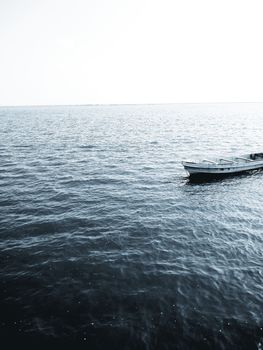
pixel 224 166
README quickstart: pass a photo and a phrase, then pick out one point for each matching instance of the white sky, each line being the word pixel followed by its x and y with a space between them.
pixel 130 51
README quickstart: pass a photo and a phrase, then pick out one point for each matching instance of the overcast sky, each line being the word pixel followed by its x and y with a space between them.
pixel 130 51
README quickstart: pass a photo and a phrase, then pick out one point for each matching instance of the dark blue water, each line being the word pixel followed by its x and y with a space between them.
pixel 105 244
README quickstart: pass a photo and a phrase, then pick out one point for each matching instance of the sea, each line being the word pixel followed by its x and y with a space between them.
pixel 105 243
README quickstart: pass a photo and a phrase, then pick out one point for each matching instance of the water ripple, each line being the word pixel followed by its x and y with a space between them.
pixel 103 237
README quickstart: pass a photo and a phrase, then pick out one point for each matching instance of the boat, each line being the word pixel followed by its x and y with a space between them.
pixel 224 166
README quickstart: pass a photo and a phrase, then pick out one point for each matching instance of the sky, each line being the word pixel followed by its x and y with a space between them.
pixel 130 51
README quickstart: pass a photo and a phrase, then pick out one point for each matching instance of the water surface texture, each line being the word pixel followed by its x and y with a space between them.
pixel 104 243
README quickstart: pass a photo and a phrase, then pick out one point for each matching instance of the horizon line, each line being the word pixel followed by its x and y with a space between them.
pixel 127 104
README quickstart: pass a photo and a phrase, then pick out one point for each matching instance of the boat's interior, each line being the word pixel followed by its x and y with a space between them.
pixel 233 160
pixel 256 156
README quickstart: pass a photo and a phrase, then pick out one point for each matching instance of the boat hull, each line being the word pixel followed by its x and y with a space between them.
pixel 200 177
pixel 195 171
